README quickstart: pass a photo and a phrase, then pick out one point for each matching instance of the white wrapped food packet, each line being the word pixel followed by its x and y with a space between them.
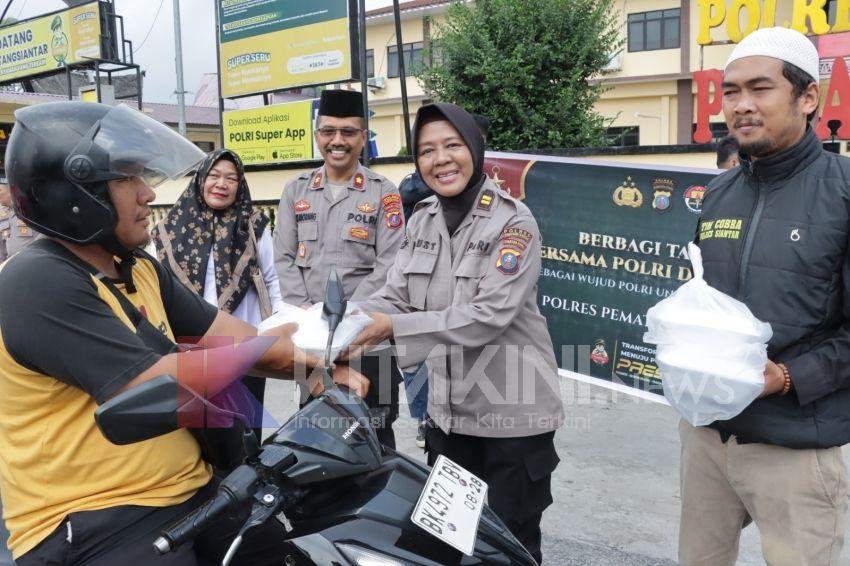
pixel 711 350
pixel 706 386
pixel 696 312
pixel 312 333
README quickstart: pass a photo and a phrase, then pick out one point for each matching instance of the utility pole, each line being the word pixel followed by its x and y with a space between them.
pixel 402 76
pixel 178 63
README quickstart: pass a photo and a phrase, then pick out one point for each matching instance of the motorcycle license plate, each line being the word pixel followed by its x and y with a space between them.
pixel 450 505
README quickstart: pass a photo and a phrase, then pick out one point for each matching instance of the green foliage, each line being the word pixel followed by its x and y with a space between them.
pixel 526 65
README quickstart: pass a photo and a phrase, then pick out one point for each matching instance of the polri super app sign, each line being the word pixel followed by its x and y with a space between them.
pixel 271 134
pixel 613 244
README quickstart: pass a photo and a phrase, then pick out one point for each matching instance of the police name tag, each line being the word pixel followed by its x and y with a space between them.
pixel 450 505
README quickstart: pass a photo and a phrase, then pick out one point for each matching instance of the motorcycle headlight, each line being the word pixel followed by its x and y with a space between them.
pixel 363 557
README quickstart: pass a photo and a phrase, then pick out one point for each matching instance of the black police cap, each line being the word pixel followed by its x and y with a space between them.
pixel 341 104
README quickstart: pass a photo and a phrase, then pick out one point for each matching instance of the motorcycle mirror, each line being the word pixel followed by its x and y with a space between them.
pixel 143 412
pixel 334 305
pixel 333 309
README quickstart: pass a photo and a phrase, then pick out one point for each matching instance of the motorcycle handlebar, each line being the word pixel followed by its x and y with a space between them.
pixel 236 488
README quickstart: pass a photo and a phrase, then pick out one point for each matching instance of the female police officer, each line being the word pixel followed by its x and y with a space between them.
pixel 462 295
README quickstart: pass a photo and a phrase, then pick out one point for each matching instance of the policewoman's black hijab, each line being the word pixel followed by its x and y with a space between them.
pixel 192 231
pixel 455 208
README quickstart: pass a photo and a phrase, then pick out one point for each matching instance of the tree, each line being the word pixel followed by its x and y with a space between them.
pixel 526 65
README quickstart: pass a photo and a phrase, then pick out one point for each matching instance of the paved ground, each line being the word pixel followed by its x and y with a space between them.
pixel 616 490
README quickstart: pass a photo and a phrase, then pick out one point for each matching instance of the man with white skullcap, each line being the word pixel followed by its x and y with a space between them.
pixel 777 464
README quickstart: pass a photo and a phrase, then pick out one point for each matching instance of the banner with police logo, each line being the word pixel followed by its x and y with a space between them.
pixel 278 44
pixel 271 134
pixel 614 242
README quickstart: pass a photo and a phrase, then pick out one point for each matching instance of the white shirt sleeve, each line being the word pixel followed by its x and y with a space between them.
pixel 265 257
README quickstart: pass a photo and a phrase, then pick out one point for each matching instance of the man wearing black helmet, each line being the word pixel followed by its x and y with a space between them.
pixel 81 173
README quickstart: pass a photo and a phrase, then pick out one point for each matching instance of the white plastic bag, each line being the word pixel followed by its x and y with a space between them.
pixel 709 385
pixel 711 349
pixel 696 312
pixel 312 333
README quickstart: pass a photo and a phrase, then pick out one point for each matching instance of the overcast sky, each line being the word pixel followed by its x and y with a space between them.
pixel 152 35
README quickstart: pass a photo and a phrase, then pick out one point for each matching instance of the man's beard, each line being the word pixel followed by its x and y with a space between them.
pixel 758 148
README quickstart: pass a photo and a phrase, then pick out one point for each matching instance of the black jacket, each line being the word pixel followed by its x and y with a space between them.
pixel 412 189
pixel 774 234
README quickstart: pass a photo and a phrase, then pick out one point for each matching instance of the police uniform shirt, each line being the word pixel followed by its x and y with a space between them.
pixel 14 232
pixel 359 232
pixel 478 290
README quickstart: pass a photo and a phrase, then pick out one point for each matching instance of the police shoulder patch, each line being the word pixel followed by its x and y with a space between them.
pixel 515 239
pixel 392 211
pixel 508 262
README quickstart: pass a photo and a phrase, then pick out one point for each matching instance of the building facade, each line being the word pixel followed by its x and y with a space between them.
pixel 651 93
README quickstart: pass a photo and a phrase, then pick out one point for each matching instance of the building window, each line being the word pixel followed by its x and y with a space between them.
pixel 205 146
pixel 413 59
pixel 623 135
pixel 658 29
pixel 370 63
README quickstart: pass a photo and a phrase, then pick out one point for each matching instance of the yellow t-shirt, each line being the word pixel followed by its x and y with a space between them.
pixel 57 320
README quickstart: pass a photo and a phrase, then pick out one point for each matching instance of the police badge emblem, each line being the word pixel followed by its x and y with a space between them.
pixel 508 262
pixel 392 210
pixel 628 194
pixel 662 194
pixel 693 198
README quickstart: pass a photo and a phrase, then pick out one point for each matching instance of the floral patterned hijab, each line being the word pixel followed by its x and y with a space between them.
pixel 192 231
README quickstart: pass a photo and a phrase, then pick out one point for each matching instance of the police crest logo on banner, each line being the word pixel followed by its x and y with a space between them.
pixel 662 196
pixel 628 194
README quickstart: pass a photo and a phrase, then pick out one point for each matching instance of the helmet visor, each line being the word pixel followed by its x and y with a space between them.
pixel 128 143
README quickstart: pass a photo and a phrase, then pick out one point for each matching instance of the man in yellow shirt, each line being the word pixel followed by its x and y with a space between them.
pixel 81 173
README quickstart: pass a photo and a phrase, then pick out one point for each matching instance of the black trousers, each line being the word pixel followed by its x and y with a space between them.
pixel 125 535
pixel 518 472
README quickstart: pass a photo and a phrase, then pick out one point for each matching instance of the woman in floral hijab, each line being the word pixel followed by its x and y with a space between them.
pixel 206 241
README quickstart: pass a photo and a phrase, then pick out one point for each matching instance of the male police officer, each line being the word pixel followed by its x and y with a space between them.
pixel 349 217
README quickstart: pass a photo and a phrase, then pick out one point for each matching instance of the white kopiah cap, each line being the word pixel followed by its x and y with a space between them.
pixel 780 43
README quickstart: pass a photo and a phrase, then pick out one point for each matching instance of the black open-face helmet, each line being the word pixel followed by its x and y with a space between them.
pixel 61 155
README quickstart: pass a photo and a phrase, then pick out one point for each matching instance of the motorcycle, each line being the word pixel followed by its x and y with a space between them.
pixel 343 497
